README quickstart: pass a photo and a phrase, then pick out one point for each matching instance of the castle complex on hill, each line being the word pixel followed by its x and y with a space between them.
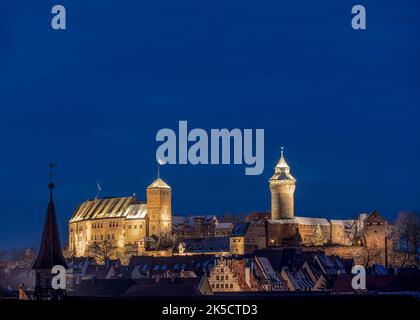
pixel 129 226
pixel 284 228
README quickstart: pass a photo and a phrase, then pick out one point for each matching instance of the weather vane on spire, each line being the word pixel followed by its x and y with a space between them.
pixel 52 166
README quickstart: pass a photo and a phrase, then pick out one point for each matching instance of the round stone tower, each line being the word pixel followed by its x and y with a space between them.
pixel 282 187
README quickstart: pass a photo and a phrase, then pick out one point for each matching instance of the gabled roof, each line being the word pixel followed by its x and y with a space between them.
pixel 374 217
pixel 267 269
pixel 300 279
pixel 50 253
pixel 330 265
pixel 240 229
pixel 107 208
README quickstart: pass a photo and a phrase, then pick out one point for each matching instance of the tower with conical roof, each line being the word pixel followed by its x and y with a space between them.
pixel 159 208
pixel 50 253
pixel 282 187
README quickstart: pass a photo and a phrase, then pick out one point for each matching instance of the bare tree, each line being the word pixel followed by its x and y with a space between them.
pixel 166 241
pixel 100 250
pixel 353 230
pixel 371 254
pixel 406 236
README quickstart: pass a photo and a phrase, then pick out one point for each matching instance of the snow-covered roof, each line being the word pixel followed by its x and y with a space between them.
pixel 281 221
pixel 136 211
pixel 312 221
pixel 299 279
pixel 225 225
pixel 111 207
pixel 342 222
pixel 159 184
pixel 267 268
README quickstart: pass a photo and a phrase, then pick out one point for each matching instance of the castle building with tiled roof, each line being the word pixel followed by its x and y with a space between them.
pixel 121 222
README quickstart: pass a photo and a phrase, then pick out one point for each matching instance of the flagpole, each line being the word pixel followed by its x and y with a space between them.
pixel 98 189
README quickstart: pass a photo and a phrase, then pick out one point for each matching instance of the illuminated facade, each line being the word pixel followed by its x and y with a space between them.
pixel 121 222
pixel 286 229
pixel 282 187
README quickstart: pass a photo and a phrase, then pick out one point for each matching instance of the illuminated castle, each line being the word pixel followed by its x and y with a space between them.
pixel 121 223
pixel 285 229
pixel 282 187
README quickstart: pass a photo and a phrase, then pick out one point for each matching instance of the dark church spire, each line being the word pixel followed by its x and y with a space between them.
pixel 50 253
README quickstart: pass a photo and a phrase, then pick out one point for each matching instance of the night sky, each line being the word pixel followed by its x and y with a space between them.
pixel 343 103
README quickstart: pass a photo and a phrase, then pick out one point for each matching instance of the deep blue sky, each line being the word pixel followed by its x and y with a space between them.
pixel 344 103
